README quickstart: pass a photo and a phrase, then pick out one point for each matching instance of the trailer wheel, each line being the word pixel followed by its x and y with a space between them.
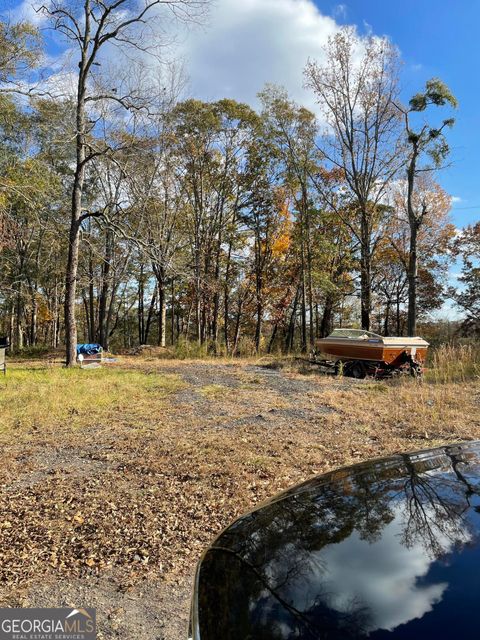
pixel 355 369
pixel 415 370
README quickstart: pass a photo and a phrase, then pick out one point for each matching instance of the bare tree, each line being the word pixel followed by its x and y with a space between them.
pixel 426 141
pixel 93 26
pixel 356 88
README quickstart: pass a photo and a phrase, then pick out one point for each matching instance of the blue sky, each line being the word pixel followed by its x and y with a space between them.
pixel 436 38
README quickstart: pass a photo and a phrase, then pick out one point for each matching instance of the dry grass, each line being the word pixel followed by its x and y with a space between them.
pixel 128 471
pixel 455 363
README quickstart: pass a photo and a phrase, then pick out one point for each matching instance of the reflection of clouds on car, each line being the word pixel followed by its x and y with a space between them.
pixel 383 578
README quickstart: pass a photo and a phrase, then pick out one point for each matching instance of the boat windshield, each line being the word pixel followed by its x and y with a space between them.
pixel 357 334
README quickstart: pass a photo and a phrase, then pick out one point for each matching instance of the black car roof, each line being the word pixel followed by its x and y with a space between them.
pixel 384 549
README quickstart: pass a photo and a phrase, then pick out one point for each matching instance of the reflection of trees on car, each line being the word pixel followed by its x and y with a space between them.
pixel 270 571
pixel 431 518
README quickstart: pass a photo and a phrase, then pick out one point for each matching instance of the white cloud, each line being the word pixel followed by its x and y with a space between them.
pixel 392 597
pixel 456 199
pixel 27 10
pixel 340 11
pixel 244 45
pixel 386 577
pixel 248 43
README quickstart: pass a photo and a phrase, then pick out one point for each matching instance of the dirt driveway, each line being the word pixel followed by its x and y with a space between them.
pixel 110 507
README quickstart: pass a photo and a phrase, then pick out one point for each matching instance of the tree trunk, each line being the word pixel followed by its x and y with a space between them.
pixel 126 334
pixel 33 319
pixel 326 324
pixel 365 273
pixel 140 313
pixel 198 302
pixel 75 219
pixel 289 343
pixel 86 324
pixel 104 291
pixel 412 283
pixel 304 314
pixel 109 330
pixel 172 319
pixel 71 280
pixel 55 315
pixel 91 295
pixel 398 316
pixel 414 223
pixel 236 338
pixel 11 325
pixel 162 304
pixel 216 295
pixel 259 312
pixel 272 338
pixel 18 321
pixel 162 315
pixel 151 309
pixel 258 289
pixel 311 307
pixel 258 326
pixel 226 301
pixel 386 324
pixel 303 306
pixel 309 274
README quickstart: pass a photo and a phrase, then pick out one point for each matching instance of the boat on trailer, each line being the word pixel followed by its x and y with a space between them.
pixel 358 353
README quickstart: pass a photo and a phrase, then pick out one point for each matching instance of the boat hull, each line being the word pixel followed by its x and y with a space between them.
pixel 371 351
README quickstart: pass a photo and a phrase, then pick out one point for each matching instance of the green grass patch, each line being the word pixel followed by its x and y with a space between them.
pixel 376 387
pixel 214 391
pixel 260 463
pixel 42 396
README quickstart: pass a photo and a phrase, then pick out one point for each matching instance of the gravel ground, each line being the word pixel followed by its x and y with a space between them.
pixel 112 508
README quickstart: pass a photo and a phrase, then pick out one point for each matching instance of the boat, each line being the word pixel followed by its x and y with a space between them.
pixel 361 350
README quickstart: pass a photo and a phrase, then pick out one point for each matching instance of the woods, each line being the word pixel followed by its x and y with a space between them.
pixel 134 214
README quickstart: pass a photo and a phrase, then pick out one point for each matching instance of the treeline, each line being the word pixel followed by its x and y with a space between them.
pixel 138 218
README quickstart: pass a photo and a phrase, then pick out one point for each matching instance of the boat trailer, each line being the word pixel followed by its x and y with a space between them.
pixel 359 369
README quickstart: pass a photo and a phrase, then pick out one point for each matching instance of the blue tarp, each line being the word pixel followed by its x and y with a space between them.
pixel 88 349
